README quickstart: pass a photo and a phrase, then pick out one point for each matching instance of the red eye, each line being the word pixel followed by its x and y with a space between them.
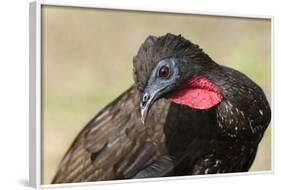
pixel 164 72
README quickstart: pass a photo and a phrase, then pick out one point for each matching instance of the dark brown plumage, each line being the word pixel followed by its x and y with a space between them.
pixel 175 139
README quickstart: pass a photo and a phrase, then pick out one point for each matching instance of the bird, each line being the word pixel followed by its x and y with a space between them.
pixel 184 115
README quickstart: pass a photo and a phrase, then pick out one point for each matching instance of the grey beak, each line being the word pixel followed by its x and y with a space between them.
pixel 146 101
pixel 144 105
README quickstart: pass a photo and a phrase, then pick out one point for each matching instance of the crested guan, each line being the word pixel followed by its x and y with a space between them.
pixel 185 115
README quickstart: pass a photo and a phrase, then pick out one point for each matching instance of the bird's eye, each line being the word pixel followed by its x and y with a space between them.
pixel 164 71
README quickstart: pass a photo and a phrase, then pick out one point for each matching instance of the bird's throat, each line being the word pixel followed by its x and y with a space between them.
pixel 198 93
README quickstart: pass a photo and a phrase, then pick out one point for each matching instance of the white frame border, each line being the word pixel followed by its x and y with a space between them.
pixel 35 88
pixel 35 94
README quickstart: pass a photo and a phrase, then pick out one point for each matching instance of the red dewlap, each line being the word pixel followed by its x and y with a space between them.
pixel 198 93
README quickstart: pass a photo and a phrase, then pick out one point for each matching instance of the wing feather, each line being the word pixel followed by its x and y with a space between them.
pixel 114 144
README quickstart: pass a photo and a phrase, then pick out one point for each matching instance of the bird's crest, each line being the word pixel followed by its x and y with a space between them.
pixel 155 49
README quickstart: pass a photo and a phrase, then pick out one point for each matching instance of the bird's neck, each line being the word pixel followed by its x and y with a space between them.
pixel 198 93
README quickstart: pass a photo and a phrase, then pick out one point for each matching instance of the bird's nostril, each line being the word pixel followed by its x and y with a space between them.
pixel 145 98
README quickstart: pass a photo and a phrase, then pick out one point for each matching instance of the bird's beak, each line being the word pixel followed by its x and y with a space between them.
pixel 146 101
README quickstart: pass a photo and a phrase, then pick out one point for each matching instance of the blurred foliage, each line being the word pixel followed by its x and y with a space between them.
pixel 87 62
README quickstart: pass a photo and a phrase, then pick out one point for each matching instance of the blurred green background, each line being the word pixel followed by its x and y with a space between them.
pixel 87 62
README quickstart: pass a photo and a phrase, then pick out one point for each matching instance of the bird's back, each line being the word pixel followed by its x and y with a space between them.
pixel 115 144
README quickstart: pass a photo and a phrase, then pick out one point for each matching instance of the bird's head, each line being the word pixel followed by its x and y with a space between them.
pixel 172 67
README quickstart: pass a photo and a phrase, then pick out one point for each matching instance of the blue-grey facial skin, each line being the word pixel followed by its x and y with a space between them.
pixel 158 86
